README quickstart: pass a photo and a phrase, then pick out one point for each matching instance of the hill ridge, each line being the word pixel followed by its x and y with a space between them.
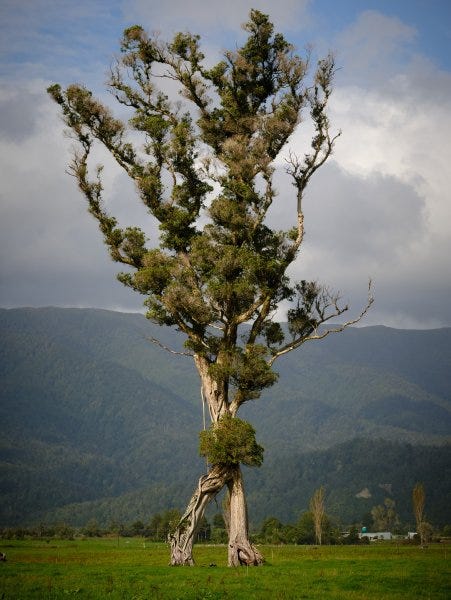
pixel 84 393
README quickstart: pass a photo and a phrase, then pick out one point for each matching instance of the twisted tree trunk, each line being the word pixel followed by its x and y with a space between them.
pixel 241 551
pixel 183 538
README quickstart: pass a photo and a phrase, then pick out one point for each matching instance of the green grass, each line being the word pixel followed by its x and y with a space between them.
pixel 129 569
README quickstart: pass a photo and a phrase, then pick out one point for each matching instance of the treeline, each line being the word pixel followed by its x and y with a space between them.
pixel 156 529
pixel 214 531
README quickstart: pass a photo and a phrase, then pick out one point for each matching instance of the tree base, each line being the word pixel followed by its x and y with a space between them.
pixel 180 557
pixel 241 551
pixel 244 554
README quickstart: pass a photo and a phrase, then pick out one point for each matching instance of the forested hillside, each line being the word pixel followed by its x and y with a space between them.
pixel 98 421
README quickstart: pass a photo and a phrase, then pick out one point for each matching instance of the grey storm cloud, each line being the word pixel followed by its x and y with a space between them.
pixel 18 115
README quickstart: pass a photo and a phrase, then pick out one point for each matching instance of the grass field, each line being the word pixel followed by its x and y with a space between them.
pixel 134 570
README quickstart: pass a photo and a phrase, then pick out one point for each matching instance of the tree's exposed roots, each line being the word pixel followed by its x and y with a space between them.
pixel 183 537
pixel 244 554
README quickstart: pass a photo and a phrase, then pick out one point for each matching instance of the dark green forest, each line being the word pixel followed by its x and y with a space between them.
pixel 94 416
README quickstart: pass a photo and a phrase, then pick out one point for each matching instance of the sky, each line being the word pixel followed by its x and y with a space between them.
pixel 380 208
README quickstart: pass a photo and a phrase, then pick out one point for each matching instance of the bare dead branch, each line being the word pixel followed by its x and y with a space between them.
pixel 316 335
pixel 158 343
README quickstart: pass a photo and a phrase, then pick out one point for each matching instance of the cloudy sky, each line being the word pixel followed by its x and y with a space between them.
pixel 380 208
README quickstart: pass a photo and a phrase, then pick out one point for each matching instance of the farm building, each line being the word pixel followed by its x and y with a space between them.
pixel 378 535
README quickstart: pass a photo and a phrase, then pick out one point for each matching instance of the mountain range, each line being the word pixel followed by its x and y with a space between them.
pixel 97 421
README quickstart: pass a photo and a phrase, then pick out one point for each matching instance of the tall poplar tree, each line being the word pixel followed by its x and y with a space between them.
pixel 205 172
pixel 419 502
pixel 318 511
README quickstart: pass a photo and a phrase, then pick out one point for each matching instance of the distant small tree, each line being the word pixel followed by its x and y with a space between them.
pixel 290 534
pixel 419 502
pixel 353 537
pixel 272 531
pixel 204 530
pixel 305 529
pixel 64 531
pixel 169 521
pixel 425 530
pixel 156 527
pixel 114 527
pixel 218 521
pixel 385 517
pixel 219 530
pixel 318 511
pixel 161 525
pixel 92 529
pixel 137 527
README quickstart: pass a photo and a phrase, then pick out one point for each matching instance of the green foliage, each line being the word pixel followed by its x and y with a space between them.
pixel 92 529
pixel 305 528
pixel 248 371
pixel 219 530
pixel 272 531
pixel 306 315
pixel 163 524
pixel 231 441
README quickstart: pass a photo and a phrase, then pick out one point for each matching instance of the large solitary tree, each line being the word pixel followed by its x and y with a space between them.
pixel 204 169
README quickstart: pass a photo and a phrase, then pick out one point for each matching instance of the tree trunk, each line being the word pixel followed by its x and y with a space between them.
pixel 183 537
pixel 241 551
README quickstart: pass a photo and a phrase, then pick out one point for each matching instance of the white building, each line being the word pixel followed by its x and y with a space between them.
pixel 378 535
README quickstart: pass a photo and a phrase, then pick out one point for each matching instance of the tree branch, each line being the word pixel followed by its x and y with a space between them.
pixel 158 343
pixel 316 335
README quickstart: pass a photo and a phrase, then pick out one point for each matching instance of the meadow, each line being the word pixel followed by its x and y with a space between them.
pixel 132 569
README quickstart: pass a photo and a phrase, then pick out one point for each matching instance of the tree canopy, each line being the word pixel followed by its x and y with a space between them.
pixel 209 183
